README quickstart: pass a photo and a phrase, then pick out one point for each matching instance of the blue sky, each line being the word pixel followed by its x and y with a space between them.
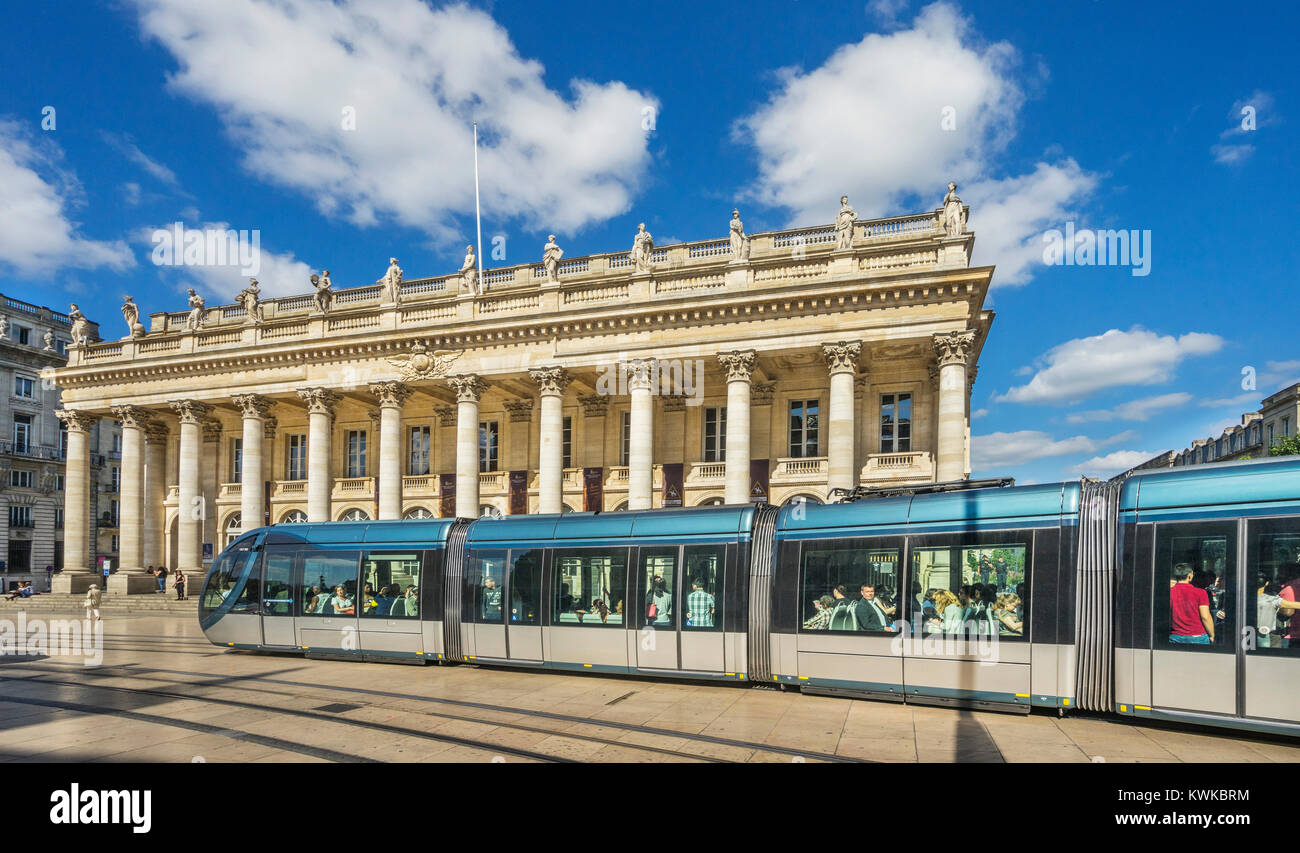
pixel 1110 115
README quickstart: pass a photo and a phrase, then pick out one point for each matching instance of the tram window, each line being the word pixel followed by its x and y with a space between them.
pixel 277 583
pixel 250 597
pixel 970 589
pixel 1273 587
pixel 589 587
pixel 849 585
pixel 525 587
pixel 659 580
pixel 222 578
pixel 487 581
pixel 1197 559
pixel 329 580
pixel 390 585
pixel 703 575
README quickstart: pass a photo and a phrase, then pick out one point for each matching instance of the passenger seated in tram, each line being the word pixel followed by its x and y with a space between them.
pixel 821 618
pixel 408 604
pixel 341 603
pixel 949 610
pixel 316 600
pixel 491 600
pixel 1004 610
pixel 869 613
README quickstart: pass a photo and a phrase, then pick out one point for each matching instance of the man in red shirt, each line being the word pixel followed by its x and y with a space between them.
pixel 1189 610
pixel 1289 574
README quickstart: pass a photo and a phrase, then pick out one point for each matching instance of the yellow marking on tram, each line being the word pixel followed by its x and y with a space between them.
pixel 1022 695
pixel 728 674
pixel 1141 708
pixel 587 665
pixel 1065 701
pixel 1123 709
pixel 803 678
pixel 229 644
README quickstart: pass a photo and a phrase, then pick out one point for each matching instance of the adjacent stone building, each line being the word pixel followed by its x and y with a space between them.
pixel 32 340
pixel 767 367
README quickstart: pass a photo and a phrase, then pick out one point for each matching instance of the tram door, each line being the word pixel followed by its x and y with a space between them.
pixel 388 610
pixel 504 599
pixel 277 597
pixel 327 600
pixel 1190 671
pixel 524 610
pixel 679 607
pixel 1272 673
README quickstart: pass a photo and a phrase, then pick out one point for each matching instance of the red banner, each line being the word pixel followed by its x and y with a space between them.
pixel 593 489
pixel 447 489
pixel 758 481
pixel 672 492
pixel 518 492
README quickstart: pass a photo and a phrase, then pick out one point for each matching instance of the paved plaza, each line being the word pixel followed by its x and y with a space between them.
pixel 163 693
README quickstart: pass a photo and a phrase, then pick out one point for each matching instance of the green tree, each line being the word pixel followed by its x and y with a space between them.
pixel 1286 446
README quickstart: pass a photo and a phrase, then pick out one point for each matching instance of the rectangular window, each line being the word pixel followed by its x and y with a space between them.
pixel 117 439
pixel 58 520
pixel 702 577
pixel 970 589
pixel 117 479
pixel 237 460
pixel 21 479
pixel 114 506
pixel 625 443
pixel 20 516
pixel 895 423
pixel 23 335
pixel 418 451
pixel 356 450
pixel 59 482
pixel 61 346
pixel 24 386
pixel 296 460
pixel 22 433
pixel 113 547
pixel 525 588
pixel 804 428
pixel 715 434
pixel 1273 595
pixel 63 442
pixel 1270 435
pixel 589 587
pixel 488 583
pixel 659 580
pixel 278 582
pixel 487 446
pixel 390 585
pixel 568 443
pixel 849 585
pixel 1286 427
pixel 1198 561
pixel 329 580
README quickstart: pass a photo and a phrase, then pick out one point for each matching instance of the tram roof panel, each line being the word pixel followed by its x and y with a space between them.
pixel 422 533
pixel 689 522
pixel 1275 479
pixel 1048 499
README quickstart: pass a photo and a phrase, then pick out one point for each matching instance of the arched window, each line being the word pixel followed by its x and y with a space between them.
pixel 621 507
pixel 295 516
pixel 234 527
pixel 566 508
pixel 354 515
pixel 803 499
pixel 489 511
pixel 712 502
pixel 418 512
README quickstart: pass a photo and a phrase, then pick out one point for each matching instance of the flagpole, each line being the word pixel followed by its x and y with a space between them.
pixel 478 216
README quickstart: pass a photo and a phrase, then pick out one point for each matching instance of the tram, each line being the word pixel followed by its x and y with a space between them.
pixel 1052 597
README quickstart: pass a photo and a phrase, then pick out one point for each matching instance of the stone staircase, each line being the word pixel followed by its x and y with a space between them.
pixel 156 603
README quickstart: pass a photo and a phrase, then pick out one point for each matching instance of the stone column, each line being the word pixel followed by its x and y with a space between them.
pixel 131 510
pixel 642 376
pixel 469 390
pixel 252 506
pixel 550 463
pixel 391 397
pixel 952 350
pixel 739 367
pixel 191 509
pixel 320 412
pixel 77 527
pixel 155 494
pixel 842 359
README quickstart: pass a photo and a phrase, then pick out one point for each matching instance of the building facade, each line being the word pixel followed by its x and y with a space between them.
pixel 1253 438
pixel 765 367
pixel 33 339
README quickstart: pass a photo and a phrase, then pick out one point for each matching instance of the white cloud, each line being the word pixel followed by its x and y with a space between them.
pixel 1278 375
pixel 132 152
pixel 1004 449
pixel 1246 116
pixel 279 274
pixel 886 12
pixel 1133 410
pixel 1250 398
pixel 36 235
pixel 979 413
pixel 1077 368
pixel 281 76
pixel 869 123
pixel 1112 463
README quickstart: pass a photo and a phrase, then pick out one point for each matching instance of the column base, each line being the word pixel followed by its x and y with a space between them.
pixel 69 582
pixel 131 583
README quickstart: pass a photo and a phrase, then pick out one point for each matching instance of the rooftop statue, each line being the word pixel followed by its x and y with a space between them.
pixel 198 311
pixel 844 224
pixel 80 325
pixel 643 246
pixel 392 282
pixel 954 217
pixel 324 292
pixel 131 314
pixel 250 298
pixel 49 340
pixel 739 242
pixel 551 254
pixel 469 271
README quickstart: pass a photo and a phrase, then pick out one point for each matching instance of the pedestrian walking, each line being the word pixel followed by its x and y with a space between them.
pixel 161 575
pixel 93 600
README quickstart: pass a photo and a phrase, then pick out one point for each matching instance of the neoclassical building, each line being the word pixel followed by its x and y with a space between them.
pixel 764 367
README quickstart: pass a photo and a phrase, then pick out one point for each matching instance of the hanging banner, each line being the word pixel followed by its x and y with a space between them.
pixel 447 489
pixel 593 489
pixel 758 482
pixel 672 494
pixel 518 492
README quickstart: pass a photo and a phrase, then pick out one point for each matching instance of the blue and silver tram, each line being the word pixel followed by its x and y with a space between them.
pixel 1046 596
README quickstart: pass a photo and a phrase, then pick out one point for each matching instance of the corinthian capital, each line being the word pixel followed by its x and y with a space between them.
pixel 739 365
pixel 156 431
pixel 190 412
pixel 953 347
pixel 391 394
pixel 842 357
pixel 132 417
pixel 642 374
pixel 521 411
pixel 594 405
pixel 551 380
pixel 469 388
pixel 76 421
pixel 320 401
pixel 253 405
